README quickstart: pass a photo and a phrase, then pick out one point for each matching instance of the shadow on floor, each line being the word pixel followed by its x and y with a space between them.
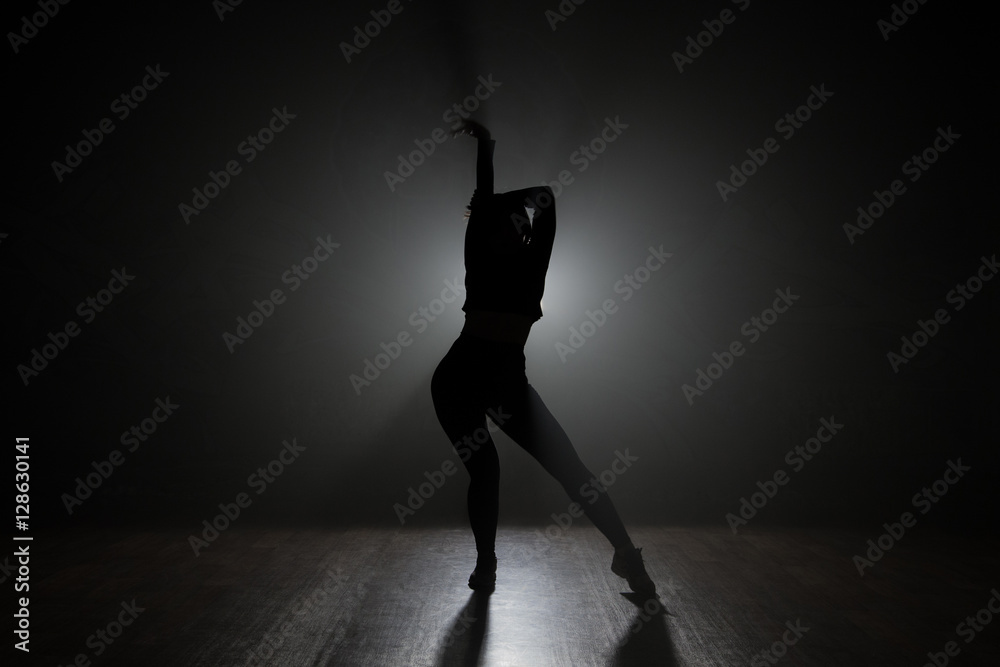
pixel 647 639
pixel 463 643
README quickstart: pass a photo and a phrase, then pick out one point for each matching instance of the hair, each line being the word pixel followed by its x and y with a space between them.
pixel 497 209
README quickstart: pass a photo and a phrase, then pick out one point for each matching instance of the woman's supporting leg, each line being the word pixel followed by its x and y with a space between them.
pixel 483 497
pixel 461 412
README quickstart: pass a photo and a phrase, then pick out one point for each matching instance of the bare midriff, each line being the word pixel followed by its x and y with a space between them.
pixel 501 327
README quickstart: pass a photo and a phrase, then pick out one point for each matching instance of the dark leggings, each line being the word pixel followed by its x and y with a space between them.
pixel 479 377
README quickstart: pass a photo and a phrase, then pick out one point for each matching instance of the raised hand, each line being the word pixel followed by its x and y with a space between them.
pixel 473 129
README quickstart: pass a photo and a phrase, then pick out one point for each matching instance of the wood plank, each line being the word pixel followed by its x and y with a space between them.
pixel 374 596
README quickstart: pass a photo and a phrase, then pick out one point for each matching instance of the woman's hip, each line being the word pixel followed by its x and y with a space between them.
pixel 473 364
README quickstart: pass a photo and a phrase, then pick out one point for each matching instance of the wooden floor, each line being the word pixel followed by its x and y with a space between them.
pixel 398 597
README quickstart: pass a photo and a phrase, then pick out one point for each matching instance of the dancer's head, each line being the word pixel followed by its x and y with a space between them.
pixel 507 219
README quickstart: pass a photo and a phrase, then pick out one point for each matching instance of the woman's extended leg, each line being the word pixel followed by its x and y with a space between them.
pixel 536 430
pixel 533 427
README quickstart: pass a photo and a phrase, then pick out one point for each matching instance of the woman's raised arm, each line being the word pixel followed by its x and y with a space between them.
pixel 484 155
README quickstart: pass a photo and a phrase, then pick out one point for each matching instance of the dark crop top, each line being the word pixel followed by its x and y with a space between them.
pixel 507 278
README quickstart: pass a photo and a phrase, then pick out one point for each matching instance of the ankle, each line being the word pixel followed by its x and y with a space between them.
pixel 625 548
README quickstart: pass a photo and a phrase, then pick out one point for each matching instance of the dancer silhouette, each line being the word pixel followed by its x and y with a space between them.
pixel 506 258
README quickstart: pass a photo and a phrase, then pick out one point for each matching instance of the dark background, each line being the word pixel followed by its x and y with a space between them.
pixel 324 175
